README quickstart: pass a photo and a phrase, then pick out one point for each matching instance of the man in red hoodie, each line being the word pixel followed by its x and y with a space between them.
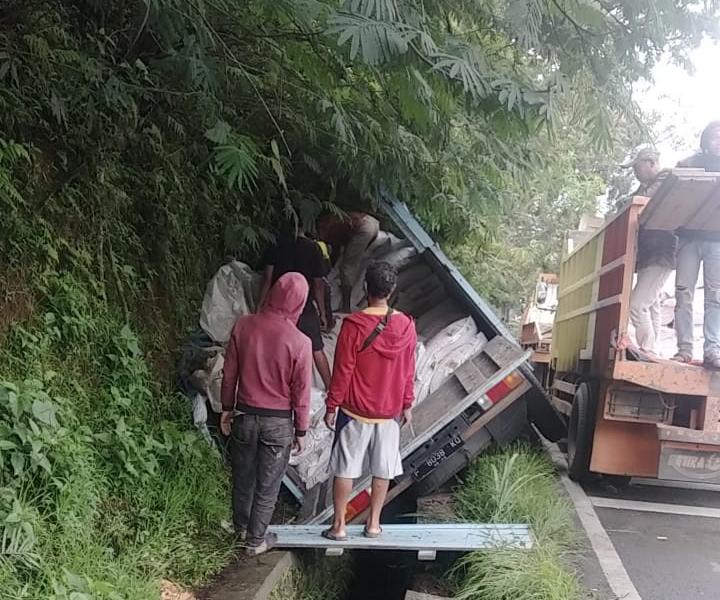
pixel 265 391
pixel 372 386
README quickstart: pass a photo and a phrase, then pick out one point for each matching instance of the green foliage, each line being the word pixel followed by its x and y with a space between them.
pixel 517 486
pixel 103 492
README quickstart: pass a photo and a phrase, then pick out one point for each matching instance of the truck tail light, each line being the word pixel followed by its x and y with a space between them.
pixel 500 390
pixel 357 505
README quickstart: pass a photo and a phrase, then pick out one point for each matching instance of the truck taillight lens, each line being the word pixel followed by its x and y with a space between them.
pixel 357 505
pixel 502 389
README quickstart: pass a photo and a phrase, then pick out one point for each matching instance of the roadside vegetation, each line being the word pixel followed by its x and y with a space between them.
pixel 518 486
pixel 144 142
pixel 103 488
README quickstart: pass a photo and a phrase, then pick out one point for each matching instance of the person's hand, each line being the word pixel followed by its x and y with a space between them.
pixel 330 419
pixel 299 444
pixel 407 417
pixel 226 420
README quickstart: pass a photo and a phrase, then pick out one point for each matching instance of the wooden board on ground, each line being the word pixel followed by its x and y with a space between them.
pixel 460 537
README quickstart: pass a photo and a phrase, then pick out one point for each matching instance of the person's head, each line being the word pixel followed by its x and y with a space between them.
pixel 380 279
pixel 710 138
pixel 645 164
pixel 288 296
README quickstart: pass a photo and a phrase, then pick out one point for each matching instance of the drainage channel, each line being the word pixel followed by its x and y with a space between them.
pixel 388 575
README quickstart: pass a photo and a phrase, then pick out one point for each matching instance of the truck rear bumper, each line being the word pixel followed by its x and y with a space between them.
pixel 688 454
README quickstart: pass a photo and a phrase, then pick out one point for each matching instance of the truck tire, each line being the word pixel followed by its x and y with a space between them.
pixel 580 432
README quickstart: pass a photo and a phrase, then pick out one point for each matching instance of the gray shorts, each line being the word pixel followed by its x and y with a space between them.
pixel 360 448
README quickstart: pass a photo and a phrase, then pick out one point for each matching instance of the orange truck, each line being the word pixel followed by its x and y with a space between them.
pixel 628 416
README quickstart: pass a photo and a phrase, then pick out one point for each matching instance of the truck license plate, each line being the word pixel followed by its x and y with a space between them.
pixel 438 457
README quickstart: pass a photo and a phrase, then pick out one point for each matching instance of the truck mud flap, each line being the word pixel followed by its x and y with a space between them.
pixel 510 423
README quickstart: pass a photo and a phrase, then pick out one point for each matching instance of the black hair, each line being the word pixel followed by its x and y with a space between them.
pixel 709 128
pixel 381 279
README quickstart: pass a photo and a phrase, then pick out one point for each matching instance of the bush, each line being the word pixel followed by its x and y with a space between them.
pixel 518 486
pixel 103 491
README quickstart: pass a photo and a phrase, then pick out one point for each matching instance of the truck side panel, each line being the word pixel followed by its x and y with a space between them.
pixel 593 300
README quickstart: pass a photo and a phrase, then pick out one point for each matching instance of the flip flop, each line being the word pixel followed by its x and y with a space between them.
pixel 372 534
pixel 329 535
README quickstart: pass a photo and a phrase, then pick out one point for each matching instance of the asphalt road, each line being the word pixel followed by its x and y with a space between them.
pixel 667 555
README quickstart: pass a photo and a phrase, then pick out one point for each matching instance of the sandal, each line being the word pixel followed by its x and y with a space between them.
pixel 712 362
pixel 372 534
pixel 333 537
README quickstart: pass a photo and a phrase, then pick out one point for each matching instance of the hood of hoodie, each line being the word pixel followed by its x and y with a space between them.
pixel 393 339
pixel 287 297
pixel 712 126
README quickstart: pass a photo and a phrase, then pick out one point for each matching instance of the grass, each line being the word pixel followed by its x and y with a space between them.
pixel 316 578
pixel 105 487
pixel 517 486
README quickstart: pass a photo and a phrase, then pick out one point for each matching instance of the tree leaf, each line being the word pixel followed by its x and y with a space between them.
pixel 45 412
pixel 219 132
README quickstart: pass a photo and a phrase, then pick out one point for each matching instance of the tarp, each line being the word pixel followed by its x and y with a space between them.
pixel 233 291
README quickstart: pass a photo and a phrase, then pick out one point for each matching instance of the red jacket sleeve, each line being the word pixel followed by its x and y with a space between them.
pixel 300 386
pixel 343 367
pixel 409 395
pixel 230 370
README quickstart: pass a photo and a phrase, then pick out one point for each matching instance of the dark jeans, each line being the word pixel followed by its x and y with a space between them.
pixel 260 451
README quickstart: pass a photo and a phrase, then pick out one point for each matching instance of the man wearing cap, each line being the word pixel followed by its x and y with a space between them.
pixel 655 257
pixel 699 247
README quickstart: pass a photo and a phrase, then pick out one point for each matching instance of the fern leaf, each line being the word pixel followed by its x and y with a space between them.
pixel 238 163
pixel 375 41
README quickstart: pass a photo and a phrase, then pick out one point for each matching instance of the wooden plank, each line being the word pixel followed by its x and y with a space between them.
pixel 442 537
pixel 501 350
pixel 681 200
pixel 666 376
pixel 562 406
pixel 470 376
pixel 564 386
pixel 671 433
pixel 591 308
pixel 711 421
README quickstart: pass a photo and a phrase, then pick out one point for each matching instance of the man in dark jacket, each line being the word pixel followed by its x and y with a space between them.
pixel 695 248
pixel 372 389
pixel 295 252
pixel 655 257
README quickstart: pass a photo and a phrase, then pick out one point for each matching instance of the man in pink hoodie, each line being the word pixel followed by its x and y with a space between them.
pixel 370 394
pixel 266 404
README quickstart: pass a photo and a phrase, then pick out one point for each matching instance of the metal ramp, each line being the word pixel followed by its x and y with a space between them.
pixel 425 539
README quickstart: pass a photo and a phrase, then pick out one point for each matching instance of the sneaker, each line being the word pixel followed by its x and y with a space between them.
pixel 712 362
pixel 267 544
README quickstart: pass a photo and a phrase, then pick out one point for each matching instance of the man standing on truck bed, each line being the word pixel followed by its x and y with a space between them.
pixel 699 247
pixel 373 387
pixel 295 252
pixel 267 378
pixel 655 257
pixel 352 234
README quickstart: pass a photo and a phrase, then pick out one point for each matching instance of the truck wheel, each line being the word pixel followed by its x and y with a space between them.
pixel 580 432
